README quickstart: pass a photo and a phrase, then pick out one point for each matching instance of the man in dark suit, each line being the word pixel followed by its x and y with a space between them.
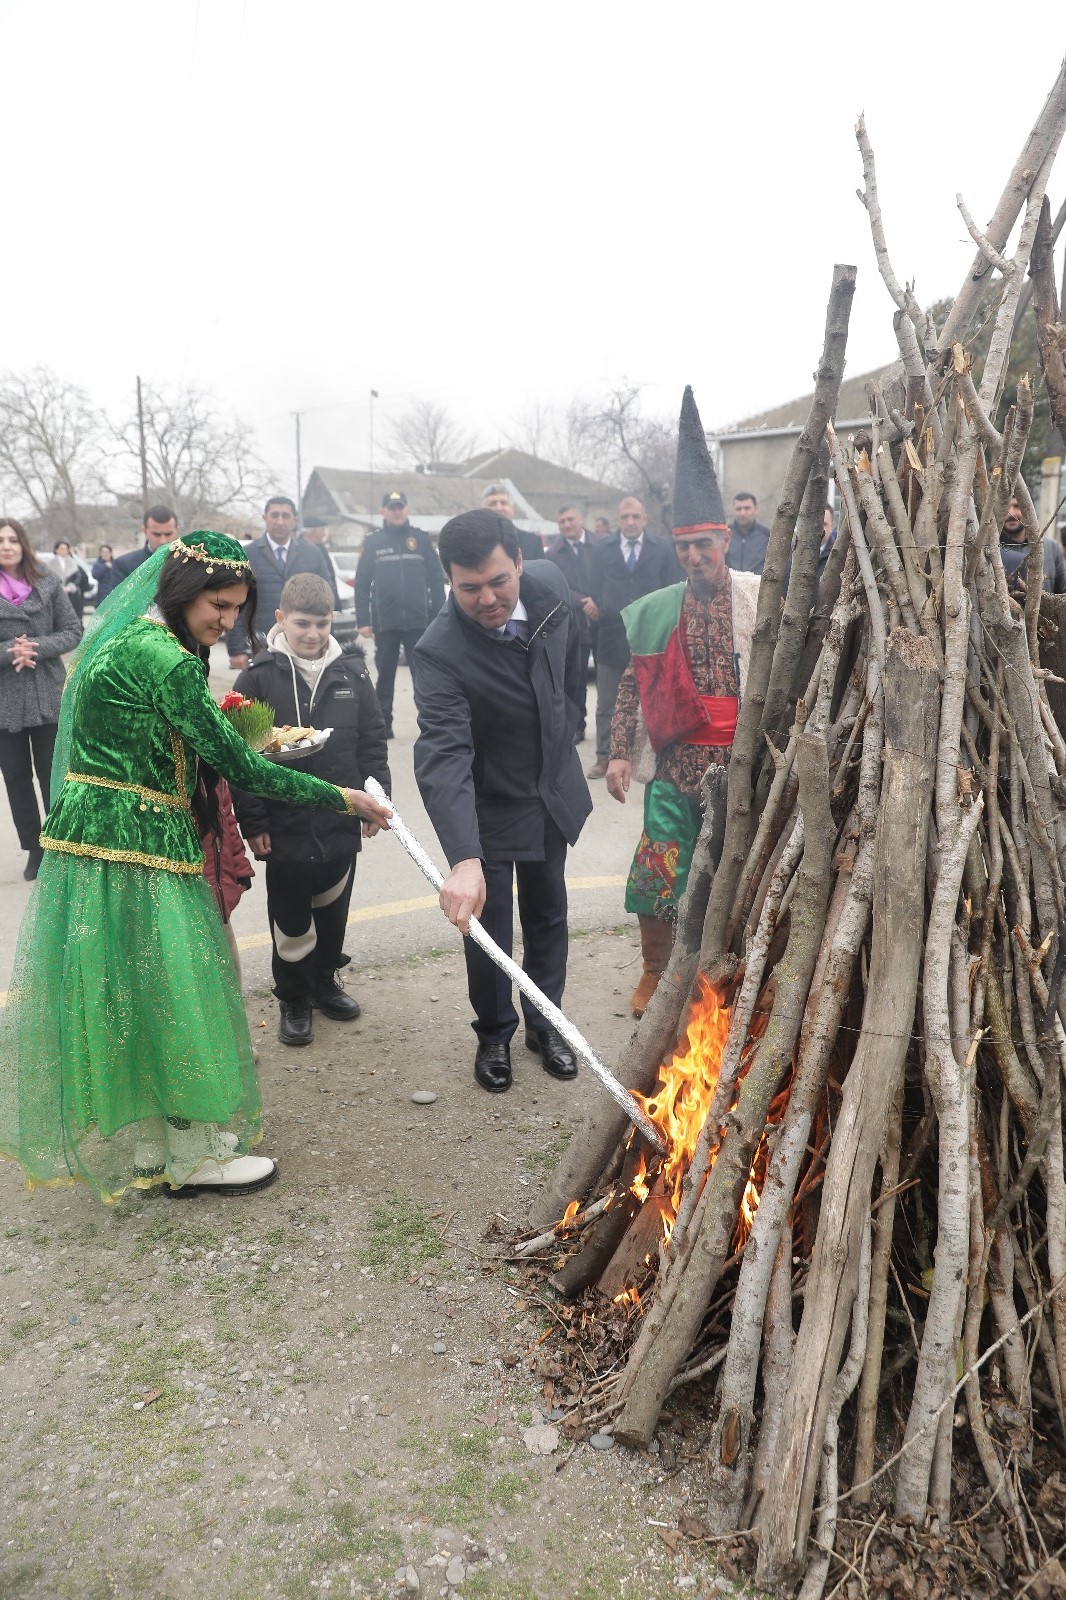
pixel 572 554
pixel 276 555
pixel 624 568
pixel 495 762
pixel 160 526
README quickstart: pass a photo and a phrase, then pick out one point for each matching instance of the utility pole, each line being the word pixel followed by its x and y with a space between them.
pixel 299 479
pixel 373 397
pixel 144 450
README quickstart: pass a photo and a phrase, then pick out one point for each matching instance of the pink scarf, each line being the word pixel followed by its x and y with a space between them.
pixel 14 589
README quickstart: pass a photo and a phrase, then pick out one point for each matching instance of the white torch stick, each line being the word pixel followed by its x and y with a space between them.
pixel 548 1011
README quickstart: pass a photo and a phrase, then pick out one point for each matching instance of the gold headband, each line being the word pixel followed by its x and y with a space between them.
pixel 192 552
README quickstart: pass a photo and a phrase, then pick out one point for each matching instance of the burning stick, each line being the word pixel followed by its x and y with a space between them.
pixel 548 1011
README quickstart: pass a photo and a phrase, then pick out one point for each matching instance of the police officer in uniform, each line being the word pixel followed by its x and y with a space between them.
pixel 399 588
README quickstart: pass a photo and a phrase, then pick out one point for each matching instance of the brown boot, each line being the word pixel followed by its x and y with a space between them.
pixel 656 942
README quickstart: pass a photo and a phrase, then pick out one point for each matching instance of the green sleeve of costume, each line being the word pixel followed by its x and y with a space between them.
pixel 184 701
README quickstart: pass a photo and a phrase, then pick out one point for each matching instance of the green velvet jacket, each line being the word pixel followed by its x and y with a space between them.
pixel 143 714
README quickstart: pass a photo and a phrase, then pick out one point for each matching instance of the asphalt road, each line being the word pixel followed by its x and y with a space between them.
pixel 394 909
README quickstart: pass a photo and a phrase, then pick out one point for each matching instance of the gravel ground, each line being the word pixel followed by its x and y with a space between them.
pixel 326 1388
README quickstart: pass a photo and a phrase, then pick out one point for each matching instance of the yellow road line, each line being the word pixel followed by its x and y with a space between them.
pixel 397 908
pixel 425 902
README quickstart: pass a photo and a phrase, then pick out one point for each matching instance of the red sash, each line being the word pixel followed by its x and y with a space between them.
pixel 673 711
pixel 721 726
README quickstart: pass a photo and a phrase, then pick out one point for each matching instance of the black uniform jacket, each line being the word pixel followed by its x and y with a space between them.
pixel 399 581
pixel 495 753
pixel 356 750
pixel 614 587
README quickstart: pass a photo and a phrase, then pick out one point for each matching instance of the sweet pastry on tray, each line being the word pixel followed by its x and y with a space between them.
pixel 286 737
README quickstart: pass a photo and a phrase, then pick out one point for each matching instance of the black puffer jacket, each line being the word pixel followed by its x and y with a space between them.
pixel 357 749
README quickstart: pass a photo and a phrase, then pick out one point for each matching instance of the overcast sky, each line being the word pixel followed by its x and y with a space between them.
pixel 293 202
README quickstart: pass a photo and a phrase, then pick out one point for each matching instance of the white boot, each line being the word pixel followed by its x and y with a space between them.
pixel 239 1175
pixel 189 1148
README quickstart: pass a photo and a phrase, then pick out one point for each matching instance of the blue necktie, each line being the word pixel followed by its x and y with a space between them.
pixel 631 557
pixel 283 555
pixel 514 629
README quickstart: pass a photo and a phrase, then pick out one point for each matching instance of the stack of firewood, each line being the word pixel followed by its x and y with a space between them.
pixel 877 911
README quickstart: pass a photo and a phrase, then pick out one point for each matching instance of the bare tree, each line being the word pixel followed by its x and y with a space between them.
pixel 425 435
pixel 52 446
pixel 632 450
pixel 199 461
pixel 608 438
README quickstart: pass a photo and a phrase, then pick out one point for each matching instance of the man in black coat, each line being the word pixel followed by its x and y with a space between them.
pixel 572 554
pixel 399 586
pixel 277 555
pixel 1014 551
pixel 748 537
pixel 496 766
pixel 160 526
pixel 624 568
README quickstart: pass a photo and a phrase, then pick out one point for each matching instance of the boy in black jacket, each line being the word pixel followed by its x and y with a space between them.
pixel 310 854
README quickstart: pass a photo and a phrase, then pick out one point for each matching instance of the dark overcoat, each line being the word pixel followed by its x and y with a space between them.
pixel 495 753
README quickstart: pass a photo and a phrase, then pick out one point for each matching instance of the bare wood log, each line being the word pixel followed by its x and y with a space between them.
pixel 995 367
pixel 1044 137
pixel 948 1081
pixel 738 816
pixel 845 929
pixel 846 1379
pixel 686 1229
pixel 911 682
pixel 803 580
pixel 603 1126
pixel 778 1347
pixel 1050 330
pixel 904 297
pixel 729 1174
pixel 881 1255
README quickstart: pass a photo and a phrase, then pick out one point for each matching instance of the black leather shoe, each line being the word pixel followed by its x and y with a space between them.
pixel 295 1024
pixel 492 1065
pixel 33 864
pixel 556 1056
pixel 331 1000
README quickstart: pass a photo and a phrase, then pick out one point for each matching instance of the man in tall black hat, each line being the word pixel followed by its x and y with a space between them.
pixel 689 645
pixel 496 686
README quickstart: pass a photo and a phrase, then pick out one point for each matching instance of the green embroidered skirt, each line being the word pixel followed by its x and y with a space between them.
pixel 124 1008
pixel 659 872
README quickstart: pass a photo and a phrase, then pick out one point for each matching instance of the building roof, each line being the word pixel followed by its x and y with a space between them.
pixel 357 495
pixel 852 407
pixel 543 482
pixel 537 487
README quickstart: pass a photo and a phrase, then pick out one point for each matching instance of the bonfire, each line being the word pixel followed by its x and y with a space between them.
pixel 856 1238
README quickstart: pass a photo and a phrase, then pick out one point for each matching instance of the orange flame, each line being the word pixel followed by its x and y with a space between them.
pixel 629 1297
pixel 570 1213
pixel 686 1088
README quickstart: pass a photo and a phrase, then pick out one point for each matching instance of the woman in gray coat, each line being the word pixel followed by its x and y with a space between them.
pixel 38 626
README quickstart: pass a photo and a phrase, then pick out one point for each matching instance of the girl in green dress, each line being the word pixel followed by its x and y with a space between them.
pixel 125 1056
